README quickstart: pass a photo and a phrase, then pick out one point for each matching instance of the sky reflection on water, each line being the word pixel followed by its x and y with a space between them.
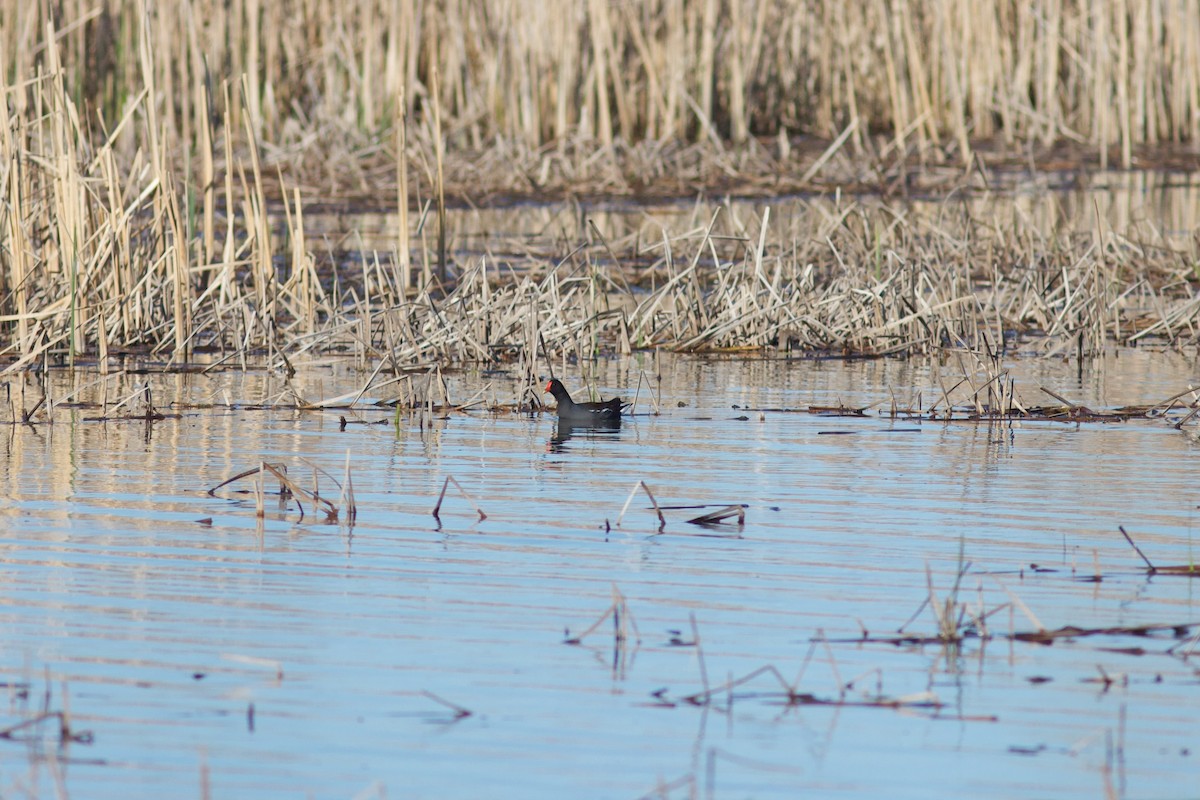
pixel 165 628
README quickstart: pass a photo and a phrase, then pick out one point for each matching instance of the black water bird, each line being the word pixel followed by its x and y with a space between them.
pixel 606 412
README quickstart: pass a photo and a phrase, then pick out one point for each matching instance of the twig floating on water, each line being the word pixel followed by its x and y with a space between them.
pixel 721 514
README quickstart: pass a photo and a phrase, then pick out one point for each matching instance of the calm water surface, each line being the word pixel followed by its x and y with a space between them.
pixel 159 631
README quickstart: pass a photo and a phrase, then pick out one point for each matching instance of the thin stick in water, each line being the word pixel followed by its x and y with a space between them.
pixel 1137 549
pixel 662 521
pixel 442 496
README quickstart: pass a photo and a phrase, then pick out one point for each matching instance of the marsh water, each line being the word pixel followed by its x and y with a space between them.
pixel 1155 206
pixel 209 652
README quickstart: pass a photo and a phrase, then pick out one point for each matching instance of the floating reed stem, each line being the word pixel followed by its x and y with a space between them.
pixel 720 515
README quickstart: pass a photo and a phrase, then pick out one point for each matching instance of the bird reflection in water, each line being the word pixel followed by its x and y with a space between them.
pixel 568 429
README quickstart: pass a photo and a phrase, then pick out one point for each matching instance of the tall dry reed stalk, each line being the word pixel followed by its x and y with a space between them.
pixel 1119 74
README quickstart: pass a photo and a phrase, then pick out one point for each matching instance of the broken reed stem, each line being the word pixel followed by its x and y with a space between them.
pixel 622 618
pixel 704 697
pixel 287 489
pixel 721 514
pixel 65 733
pixel 1187 418
pixel 654 404
pixel 830 151
pixel 346 500
pixel 931 596
pixel 459 711
pixel 699 652
pixel 1060 398
pixel 833 667
pixel 1018 603
pixel 662 521
pixel 1137 549
pixel 259 500
pixel 442 495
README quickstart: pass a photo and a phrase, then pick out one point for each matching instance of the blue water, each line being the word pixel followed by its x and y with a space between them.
pixel 158 630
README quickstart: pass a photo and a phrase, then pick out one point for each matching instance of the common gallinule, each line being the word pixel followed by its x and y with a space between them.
pixel 602 413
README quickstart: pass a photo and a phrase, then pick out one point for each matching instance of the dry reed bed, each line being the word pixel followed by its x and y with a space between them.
pixel 132 223
pixel 97 266
pixel 905 291
pixel 940 74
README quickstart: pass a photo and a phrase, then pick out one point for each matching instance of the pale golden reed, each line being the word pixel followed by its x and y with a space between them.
pixel 1099 73
pixel 151 153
